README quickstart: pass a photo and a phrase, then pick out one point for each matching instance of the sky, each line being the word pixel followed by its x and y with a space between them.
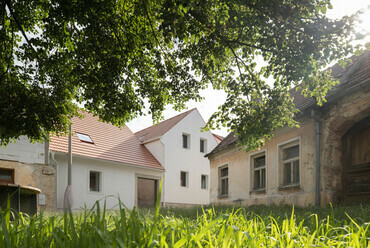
pixel 214 98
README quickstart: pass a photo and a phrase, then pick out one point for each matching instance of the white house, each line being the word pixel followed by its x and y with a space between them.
pixel 107 161
pixel 179 145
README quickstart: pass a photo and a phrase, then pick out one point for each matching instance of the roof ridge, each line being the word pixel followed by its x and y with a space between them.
pixel 188 111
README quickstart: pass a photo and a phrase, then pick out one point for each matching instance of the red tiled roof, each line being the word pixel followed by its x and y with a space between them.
pixel 110 143
pixel 218 138
pixel 161 128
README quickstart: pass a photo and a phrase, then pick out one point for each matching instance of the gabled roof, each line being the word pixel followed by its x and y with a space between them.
pixel 356 73
pixel 156 131
pixel 218 138
pixel 109 143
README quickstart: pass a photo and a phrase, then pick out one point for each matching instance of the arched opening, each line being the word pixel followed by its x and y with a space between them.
pixel 356 163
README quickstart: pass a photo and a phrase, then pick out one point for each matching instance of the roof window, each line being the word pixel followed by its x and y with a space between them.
pixel 85 138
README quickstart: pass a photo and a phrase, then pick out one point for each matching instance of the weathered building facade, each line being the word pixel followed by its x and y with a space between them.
pixel 326 160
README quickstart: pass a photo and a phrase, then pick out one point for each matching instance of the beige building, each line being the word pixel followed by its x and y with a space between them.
pixel 284 170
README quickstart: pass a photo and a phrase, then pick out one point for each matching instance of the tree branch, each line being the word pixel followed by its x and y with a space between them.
pixel 7 3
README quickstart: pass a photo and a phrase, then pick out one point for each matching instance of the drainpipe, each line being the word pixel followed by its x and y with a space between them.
pixel 68 194
pixel 52 157
pixel 317 147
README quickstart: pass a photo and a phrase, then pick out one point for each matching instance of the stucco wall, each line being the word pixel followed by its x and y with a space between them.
pixel 23 151
pixel 117 180
pixel 238 161
pixel 190 160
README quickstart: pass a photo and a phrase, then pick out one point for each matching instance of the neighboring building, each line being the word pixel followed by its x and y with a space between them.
pixel 26 177
pixel 179 145
pixel 107 161
pixel 283 171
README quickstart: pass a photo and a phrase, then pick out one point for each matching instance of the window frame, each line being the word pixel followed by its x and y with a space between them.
pixel 205 180
pixel 281 173
pixel 252 158
pixel 187 140
pixel 84 140
pixel 221 179
pixel 100 182
pixel 186 173
pixel 12 171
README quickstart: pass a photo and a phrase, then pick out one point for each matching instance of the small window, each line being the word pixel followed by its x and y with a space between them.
pixel 186 141
pixel 258 171
pixel 6 175
pixel 95 181
pixel 184 179
pixel 204 182
pixel 85 138
pixel 203 145
pixel 223 181
pixel 289 164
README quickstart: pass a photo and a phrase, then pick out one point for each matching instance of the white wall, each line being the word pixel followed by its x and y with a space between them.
pixel 156 147
pixel 117 180
pixel 23 151
pixel 191 160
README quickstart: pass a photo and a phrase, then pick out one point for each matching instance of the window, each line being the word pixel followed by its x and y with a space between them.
pixel 204 182
pixel 186 141
pixel 203 145
pixel 258 165
pixel 95 181
pixel 223 181
pixel 183 179
pixel 85 138
pixel 289 164
pixel 6 175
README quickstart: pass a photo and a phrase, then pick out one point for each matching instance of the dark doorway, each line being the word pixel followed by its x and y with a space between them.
pixel 356 163
pixel 146 192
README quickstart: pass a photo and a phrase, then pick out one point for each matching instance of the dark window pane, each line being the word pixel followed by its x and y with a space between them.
pixel 224 186
pixel 257 179
pixel 263 178
pixel 204 182
pixel 201 145
pixel 6 175
pixel 296 171
pixel 184 141
pixel 259 162
pixel 287 173
pixel 183 179
pixel 224 172
pixel 94 181
pixel 291 152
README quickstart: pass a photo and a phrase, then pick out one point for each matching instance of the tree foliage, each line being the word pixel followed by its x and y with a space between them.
pixel 110 55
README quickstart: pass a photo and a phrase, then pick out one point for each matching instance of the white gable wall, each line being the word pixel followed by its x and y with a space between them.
pixel 190 160
pixel 24 152
pixel 117 180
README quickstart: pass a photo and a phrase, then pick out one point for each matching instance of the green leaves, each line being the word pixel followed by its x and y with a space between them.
pixel 112 56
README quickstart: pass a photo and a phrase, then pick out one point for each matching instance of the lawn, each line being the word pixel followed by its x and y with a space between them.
pixel 257 226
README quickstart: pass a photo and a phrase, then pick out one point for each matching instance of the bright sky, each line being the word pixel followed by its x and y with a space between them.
pixel 213 98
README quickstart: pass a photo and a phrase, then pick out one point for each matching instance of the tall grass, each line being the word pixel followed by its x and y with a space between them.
pixel 260 226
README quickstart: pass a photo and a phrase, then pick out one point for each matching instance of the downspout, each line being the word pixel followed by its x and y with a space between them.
pixel 164 176
pixel 52 157
pixel 317 151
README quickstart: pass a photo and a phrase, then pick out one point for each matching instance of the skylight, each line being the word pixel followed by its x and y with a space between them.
pixel 85 138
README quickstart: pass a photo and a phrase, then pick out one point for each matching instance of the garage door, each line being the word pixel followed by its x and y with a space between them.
pixel 146 192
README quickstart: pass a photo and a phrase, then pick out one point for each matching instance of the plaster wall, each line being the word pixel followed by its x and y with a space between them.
pixel 24 151
pixel 189 160
pixel 117 180
pixel 240 172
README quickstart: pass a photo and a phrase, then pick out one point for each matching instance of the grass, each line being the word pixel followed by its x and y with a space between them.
pixel 257 226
